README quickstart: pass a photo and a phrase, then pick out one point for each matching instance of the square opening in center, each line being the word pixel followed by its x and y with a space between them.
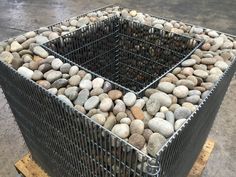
pixel 125 52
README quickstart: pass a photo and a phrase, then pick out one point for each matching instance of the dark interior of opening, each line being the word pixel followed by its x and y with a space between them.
pixel 128 53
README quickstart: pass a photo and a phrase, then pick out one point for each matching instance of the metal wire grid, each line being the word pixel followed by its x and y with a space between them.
pixel 64 135
pixel 184 146
pixel 114 44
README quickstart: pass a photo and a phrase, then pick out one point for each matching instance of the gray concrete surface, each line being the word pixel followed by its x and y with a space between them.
pixel 23 15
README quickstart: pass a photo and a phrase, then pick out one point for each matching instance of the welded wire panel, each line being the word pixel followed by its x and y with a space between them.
pixel 62 140
pixel 182 149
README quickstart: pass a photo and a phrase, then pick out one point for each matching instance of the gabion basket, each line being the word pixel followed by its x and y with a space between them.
pixel 133 57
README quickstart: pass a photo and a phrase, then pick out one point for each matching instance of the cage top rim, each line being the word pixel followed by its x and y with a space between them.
pixel 121 18
pixel 140 91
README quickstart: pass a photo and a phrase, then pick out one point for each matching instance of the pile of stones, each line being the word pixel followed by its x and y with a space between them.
pixel 147 122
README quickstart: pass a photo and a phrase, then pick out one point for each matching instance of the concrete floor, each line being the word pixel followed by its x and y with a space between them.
pixel 23 15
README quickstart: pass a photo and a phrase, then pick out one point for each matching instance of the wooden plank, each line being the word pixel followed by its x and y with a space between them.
pixel 202 159
pixel 28 168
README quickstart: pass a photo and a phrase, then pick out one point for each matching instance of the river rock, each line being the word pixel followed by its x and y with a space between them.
pixel 17 61
pixel 186 82
pixel 161 126
pixel 162 98
pixel 222 65
pixel 40 51
pixel 208 61
pixel 182 113
pixel 74 80
pixel 6 56
pixel 53 91
pixel 137 141
pixel 27 43
pixel 96 91
pixel 44 67
pixel 110 122
pixel 80 108
pixel 166 87
pixel 91 103
pixel 54 75
pixel 189 62
pixel 213 34
pixel 115 94
pixel 65 100
pixel 179 123
pixel 206 46
pixel 189 106
pixel 200 73
pixel 129 99
pixel 216 70
pixel 137 126
pixel 15 47
pixel 140 103
pixel 153 105
pixel 20 39
pixel 43 83
pixel 194 92
pixel 194 99
pixel 180 91
pixel 71 93
pixel 41 39
pixel 82 97
pixel 37 75
pixel 147 133
pixel 120 116
pixel 106 104
pixel 53 35
pixel 83 21
pixel 56 63
pixel 26 72
pixel 60 83
pixel 187 71
pixel 169 115
pixel 160 115
pixel 205 94
pixel 121 130
pixel 125 120
pixel 155 143
pixel 119 107
pixel 137 113
pixel 107 86
pixel 30 34
pixel 73 70
pixel 97 82
pixel 99 118
pixel 213 78
pixel 65 68
pixel 85 84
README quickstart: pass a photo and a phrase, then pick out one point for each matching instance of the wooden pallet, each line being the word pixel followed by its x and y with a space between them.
pixel 28 168
pixel 202 159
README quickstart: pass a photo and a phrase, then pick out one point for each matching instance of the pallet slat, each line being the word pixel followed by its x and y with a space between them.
pixel 202 159
pixel 28 168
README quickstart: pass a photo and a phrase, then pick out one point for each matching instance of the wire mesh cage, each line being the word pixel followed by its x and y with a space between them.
pixel 65 142
pixel 128 53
